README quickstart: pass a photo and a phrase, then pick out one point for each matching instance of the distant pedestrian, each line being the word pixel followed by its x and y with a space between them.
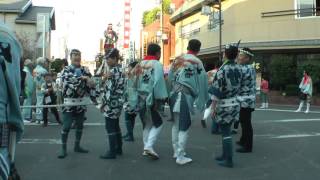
pixel 29 89
pixel 50 98
pixel 264 91
pixel 38 74
pixel 305 92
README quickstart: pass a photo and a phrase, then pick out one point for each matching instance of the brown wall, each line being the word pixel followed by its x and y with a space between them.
pixel 169 46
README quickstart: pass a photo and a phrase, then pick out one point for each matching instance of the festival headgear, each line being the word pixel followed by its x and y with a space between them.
pixel 232 49
pixel 108 54
pixel 247 51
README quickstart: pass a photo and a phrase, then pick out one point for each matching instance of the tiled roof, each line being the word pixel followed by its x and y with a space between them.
pixel 14 6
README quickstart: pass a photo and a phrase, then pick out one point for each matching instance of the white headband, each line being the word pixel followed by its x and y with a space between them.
pixel 246 53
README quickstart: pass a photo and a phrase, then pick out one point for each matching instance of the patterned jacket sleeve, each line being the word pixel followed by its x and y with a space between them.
pixel 92 91
pixel 216 88
pixel 115 87
pixel 70 80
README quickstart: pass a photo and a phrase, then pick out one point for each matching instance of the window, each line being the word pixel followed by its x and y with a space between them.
pixel 213 23
pixel 308 8
pixel 190 29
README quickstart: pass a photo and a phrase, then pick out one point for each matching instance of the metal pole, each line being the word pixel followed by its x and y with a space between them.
pixel 44 38
pixel 220 31
pixel 161 30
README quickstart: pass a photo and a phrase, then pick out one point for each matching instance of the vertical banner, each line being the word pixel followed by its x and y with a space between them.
pixel 127 23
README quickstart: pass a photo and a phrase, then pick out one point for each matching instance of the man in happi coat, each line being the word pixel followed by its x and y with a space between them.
pixel 152 95
pixel 77 83
pixel 189 85
pixel 11 123
pixel 225 105
pixel 247 98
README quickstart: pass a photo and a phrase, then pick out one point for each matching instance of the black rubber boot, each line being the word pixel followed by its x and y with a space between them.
pixel 63 154
pixel 119 144
pixel 227 151
pixel 111 154
pixel 77 147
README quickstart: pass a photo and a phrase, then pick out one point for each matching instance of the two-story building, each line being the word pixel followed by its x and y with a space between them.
pixel 269 27
pixel 21 16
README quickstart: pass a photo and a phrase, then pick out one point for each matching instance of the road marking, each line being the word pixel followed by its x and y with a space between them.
pixel 296 136
pixel 40 141
pixel 269 136
pixel 287 120
pixel 283 110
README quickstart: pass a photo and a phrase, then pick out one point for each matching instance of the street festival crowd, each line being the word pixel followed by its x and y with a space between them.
pixel 226 95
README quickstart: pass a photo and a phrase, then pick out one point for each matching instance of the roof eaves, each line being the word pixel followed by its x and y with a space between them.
pixel 25 7
pixel 187 10
pixel 25 22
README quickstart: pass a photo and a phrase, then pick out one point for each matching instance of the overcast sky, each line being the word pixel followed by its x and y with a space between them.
pixel 88 19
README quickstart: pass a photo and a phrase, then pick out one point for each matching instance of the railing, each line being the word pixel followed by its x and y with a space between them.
pixel 312 11
pixel 191 33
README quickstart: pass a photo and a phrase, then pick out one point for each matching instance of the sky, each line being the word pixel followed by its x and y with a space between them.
pixel 84 22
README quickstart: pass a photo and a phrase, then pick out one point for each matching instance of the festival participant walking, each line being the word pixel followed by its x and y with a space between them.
pixel 190 85
pixel 152 95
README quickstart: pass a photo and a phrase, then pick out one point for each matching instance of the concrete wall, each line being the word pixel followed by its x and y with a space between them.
pixel 243 20
pixel 25 31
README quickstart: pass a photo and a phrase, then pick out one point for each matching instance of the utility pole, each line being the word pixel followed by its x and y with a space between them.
pixel 220 31
pixel 161 30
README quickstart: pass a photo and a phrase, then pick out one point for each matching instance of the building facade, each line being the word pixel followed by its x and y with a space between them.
pixel 21 16
pixel 268 27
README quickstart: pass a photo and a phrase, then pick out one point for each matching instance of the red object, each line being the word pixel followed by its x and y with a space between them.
pixel 108 46
pixel 148 58
pixel 192 52
pixel 264 86
pixel 127 23
pixel 306 79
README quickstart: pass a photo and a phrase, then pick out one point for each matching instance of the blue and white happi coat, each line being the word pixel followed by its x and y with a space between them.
pixel 131 95
pixel 189 82
pixel 9 93
pixel 75 88
pixel 151 89
pixel 248 87
pixel 225 90
pixel 113 93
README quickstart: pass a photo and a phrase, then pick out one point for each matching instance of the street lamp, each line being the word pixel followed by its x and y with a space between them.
pixel 206 10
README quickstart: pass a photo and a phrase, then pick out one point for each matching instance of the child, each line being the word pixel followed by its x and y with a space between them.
pixel 50 98
pixel 264 88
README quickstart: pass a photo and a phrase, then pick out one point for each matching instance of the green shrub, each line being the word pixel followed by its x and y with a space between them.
pixel 292 90
pixel 282 71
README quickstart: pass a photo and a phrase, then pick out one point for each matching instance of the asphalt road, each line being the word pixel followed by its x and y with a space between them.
pixel 286 146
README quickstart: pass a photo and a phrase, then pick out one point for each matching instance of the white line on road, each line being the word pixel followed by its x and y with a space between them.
pixel 288 120
pixel 269 136
pixel 40 141
pixel 282 110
